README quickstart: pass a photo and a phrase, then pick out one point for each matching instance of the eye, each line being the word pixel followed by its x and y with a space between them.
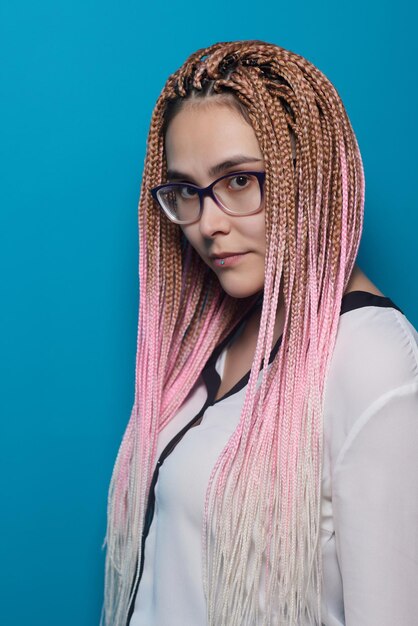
pixel 187 192
pixel 240 181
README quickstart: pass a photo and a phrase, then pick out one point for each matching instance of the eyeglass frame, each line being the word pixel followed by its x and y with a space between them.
pixel 208 191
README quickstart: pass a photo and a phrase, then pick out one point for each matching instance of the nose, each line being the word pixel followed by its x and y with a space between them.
pixel 213 220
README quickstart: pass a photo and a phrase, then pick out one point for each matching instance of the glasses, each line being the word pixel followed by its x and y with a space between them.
pixel 238 193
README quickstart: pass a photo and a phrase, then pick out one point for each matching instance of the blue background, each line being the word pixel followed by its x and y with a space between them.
pixel 79 80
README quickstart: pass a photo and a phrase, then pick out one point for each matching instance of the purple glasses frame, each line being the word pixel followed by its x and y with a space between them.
pixel 208 191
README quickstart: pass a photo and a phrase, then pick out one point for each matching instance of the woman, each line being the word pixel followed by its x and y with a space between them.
pixel 268 473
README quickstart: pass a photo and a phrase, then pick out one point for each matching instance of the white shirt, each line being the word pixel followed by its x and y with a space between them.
pixel 369 528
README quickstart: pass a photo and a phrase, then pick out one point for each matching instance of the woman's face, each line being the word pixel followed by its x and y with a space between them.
pixel 199 138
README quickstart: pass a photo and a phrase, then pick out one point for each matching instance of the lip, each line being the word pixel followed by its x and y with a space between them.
pixel 223 255
pixel 227 259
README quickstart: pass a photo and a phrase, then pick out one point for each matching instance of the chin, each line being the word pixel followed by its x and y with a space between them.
pixel 242 290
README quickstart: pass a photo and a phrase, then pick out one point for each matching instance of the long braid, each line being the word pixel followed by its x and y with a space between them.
pixel 260 535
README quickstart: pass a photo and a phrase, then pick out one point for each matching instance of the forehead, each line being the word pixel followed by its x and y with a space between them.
pixel 206 131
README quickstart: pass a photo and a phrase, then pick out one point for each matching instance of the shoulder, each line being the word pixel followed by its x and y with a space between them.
pixel 375 343
pixel 375 354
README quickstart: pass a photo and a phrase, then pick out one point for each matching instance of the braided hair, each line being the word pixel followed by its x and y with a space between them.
pixel 260 536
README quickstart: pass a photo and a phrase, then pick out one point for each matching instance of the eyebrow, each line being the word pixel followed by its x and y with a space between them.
pixel 219 168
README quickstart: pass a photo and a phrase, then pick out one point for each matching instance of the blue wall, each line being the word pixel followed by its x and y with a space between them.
pixel 77 91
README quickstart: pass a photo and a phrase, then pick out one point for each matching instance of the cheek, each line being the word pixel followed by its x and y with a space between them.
pixel 188 234
pixel 255 230
pixel 191 235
